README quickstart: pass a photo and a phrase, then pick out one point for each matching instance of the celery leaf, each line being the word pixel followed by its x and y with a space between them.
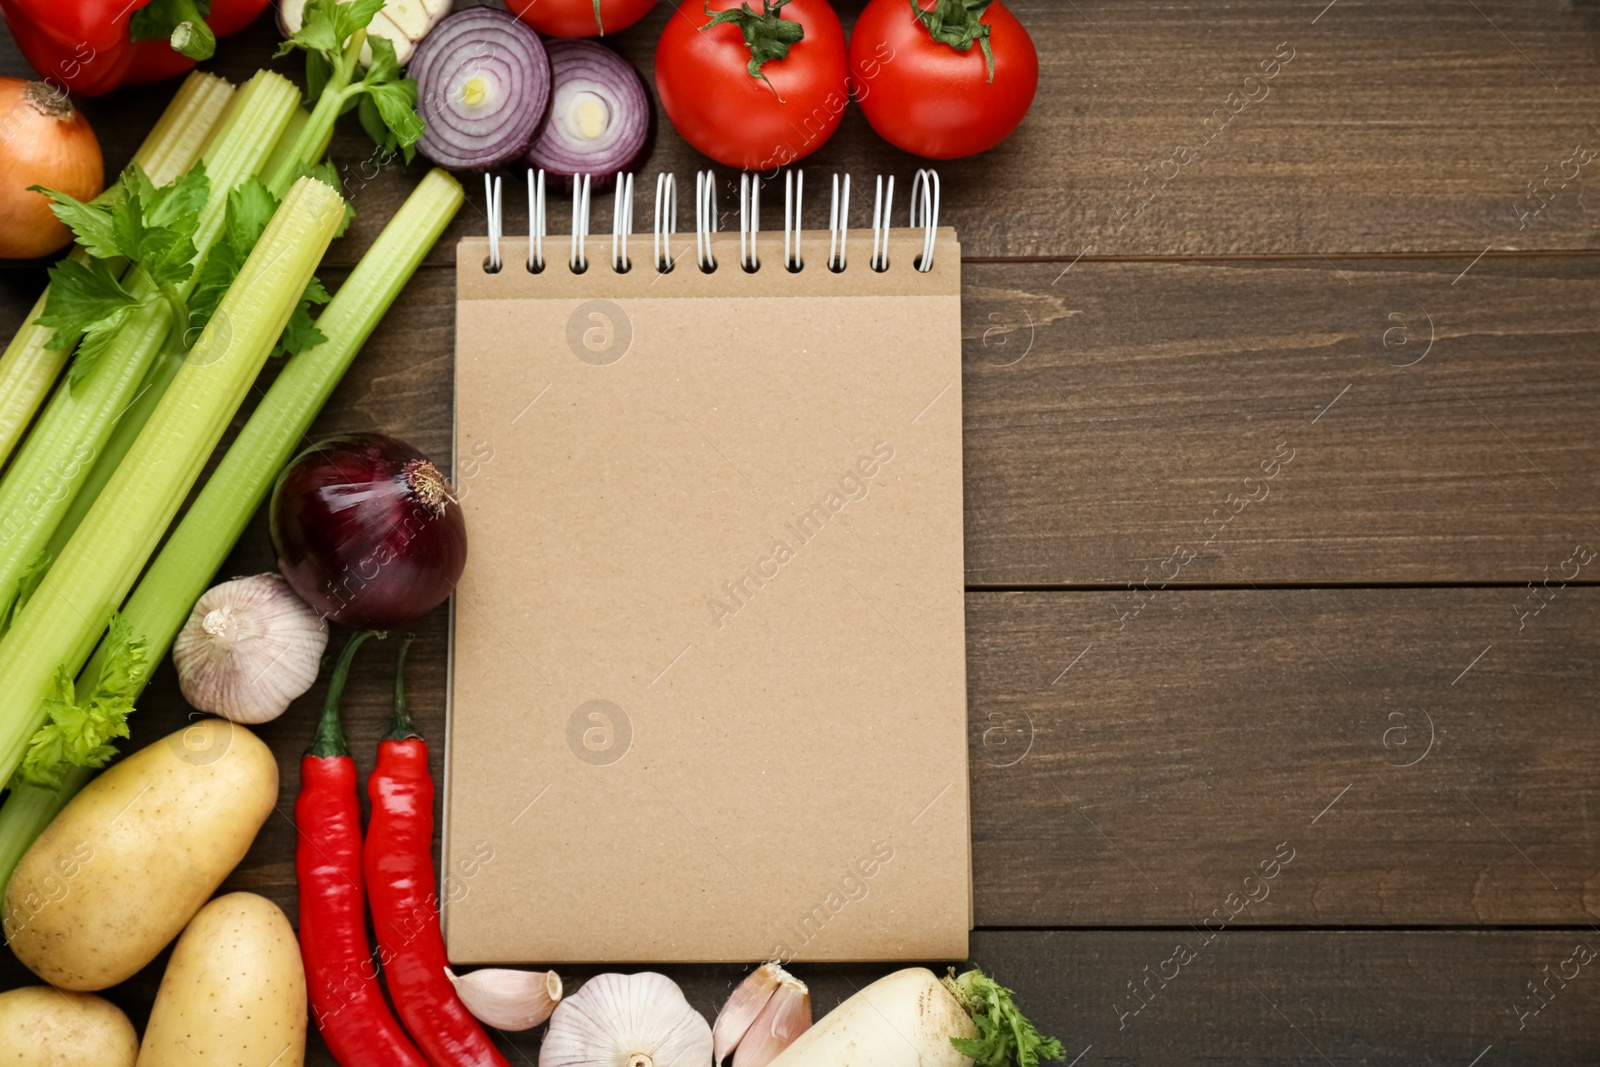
pixel 90 223
pixel 325 26
pixel 178 204
pixel 79 734
pixel 85 300
pixel 250 208
pixel 388 109
pixel 29 581
pixel 301 333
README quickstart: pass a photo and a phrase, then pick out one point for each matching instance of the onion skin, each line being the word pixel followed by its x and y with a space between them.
pixel 367 531
pixel 45 141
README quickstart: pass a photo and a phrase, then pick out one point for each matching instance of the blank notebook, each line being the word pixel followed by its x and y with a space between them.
pixel 708 687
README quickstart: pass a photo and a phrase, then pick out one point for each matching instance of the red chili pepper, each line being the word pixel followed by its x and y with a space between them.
pixel 90 47
pixel 405 906
pixel 346 1001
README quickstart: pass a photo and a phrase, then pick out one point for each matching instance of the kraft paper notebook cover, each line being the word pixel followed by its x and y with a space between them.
pixel 708 694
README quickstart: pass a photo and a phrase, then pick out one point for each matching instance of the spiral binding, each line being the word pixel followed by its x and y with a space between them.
pixel 838 225
pixel 924 214
pixel 622 224
pixel 666 227
pixel 535 222
pixel 705 219
pixel 794 187
pixel 749 221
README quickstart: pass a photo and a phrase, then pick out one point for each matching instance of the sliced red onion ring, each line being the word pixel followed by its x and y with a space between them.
pixel 599 113
pixel 483 86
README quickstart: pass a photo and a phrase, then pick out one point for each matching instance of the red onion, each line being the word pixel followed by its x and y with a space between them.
pixel 483 85
pixel 599 113
pixel 367 531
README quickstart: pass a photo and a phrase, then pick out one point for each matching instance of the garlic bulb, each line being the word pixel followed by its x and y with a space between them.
pixel 626 1020
pixel 508 1000
pixel 249 648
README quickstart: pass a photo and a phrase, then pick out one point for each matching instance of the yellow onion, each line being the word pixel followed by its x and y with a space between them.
pixel 45 141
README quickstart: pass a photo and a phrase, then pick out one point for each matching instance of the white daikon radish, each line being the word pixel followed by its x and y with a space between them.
pixel 912 1018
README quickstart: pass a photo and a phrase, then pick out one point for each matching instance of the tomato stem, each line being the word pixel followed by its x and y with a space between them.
pixel 959 24
pixel 769 35
pixel 599 26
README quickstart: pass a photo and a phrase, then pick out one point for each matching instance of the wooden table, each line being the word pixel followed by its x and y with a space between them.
pixel 1379 262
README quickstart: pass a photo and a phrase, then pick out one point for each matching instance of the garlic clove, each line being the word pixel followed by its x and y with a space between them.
pixel 249 648
pixel 742 1008
pixel 506 999
pixel 786 1016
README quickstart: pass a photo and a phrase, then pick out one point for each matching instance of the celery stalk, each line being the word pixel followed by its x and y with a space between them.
pixel 302 144
pixel 61 622
pixel 161 602
pixel 57 456
pixel 287 142
pixel 28 369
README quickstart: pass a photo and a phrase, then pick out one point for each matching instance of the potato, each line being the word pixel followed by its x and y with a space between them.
pixel 234 994
pixel 44 1027
pixel 133 856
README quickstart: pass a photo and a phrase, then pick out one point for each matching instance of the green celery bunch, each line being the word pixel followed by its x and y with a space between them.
pixel 52 773
pixel 63 621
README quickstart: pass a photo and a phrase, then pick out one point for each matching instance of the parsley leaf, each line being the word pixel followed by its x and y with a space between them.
pixel 80 734
pixel 1005 1036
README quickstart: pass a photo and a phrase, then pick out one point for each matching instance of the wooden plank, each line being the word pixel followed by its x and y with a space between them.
pixel 1425 759
pixel 1395 126
pixel 1440 423
pixel 1109 417
pixel 1312 998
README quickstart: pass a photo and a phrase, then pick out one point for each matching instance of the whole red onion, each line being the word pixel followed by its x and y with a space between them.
pixel 367 530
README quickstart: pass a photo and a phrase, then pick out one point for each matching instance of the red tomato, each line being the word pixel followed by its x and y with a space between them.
pixel 743 121
pixel 929 98
pixel 580 18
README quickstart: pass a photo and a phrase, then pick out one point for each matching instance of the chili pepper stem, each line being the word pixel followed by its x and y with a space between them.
pixel 401 728
pixel 329 742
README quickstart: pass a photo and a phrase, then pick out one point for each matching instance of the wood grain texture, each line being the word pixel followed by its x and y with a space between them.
pixel 1109 416
pixel 1285 998
pixel 1428 761
pixel 1441 423
pixel 1395 126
